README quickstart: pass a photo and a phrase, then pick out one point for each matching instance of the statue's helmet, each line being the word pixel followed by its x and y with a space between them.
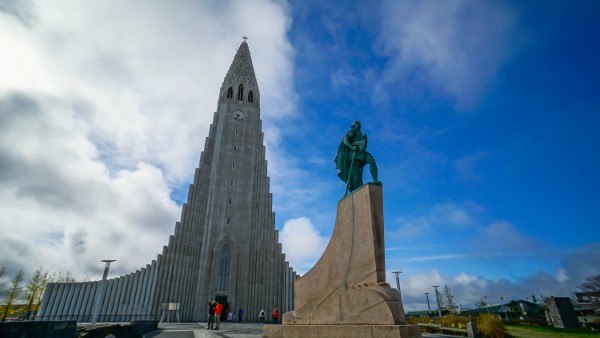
pixel 356 124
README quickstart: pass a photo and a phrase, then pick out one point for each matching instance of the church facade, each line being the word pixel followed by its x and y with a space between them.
pixel 224 247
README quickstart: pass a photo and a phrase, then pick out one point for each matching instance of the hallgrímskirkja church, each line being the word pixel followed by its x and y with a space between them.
pixel 224 247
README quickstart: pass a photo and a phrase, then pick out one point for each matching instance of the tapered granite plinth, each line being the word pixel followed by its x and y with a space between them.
pixel 345 294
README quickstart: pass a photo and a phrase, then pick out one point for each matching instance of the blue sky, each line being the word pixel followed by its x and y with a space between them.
pixel 483 118
pixel 488 149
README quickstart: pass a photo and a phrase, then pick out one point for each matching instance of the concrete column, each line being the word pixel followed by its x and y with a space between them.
pixel 114 299
pixel 270 262
pixel 140 302
pixel 280 282
pixel 66 300
pixel 105 301
pixel 128 297
pixel 150 301
pixel 179 265
pixel 155 286
pixel 86 289
pixel 90 303
pixel 122 297
pixel 135 289
pixel 171 258
pixel 80 299
pixel 162 276
pixel 63 291
pixel 46 303
pixel 73 304
pixel 262 288
pixel 70 290
pixel 53 301
pixel 145 302
pixel 286 288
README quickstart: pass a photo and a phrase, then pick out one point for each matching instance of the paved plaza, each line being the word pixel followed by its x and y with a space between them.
pixel 228 330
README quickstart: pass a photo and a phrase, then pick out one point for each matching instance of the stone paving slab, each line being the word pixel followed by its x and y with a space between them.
pixel 228 330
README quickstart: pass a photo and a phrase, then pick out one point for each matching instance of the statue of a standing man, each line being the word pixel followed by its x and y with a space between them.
pixel 352 156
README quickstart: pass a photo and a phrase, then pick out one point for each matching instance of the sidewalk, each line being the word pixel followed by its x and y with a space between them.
pixel 227 330
pixel 198 330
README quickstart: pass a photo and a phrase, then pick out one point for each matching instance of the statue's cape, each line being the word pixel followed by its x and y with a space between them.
pixel 342 162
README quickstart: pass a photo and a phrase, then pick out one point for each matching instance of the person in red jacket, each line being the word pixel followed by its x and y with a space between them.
pixel 218 312
pixel 275 316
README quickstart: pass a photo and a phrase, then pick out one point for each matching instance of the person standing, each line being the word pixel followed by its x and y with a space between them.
pixel 240 314
pixel 261 316
pixel 211 314
pixel 276 316
pixel 218 313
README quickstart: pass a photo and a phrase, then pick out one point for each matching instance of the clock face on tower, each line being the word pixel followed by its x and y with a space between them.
pixel 238 115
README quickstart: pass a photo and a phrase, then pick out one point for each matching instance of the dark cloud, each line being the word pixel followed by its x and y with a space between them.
pixel 23 10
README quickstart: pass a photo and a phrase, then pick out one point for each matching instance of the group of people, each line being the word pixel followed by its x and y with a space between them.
pixel 216 308
pixel 261 316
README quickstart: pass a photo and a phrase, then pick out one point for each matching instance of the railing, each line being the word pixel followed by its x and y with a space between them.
pixel 101 318
pixel 443 329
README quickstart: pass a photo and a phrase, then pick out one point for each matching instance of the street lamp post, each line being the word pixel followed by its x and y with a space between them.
pixel 428 307
pixel 487 305
pixel 437 297
pixel 397 273
pixel 100 294
pixel 503 308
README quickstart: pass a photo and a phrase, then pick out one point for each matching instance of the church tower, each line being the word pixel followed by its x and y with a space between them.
pixel 224 247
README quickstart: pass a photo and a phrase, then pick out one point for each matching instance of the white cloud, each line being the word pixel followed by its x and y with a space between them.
pixel 465 167
pixel 302 243
pixel 502 237
pixel 104 109
pixel 455 48
pixel 439 216
pixel 469 288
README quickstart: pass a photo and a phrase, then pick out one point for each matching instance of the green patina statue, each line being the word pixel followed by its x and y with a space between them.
pixel 352 156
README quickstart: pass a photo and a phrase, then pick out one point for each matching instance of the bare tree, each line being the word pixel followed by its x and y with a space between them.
pixel 481 303
pixel 66 277
pixel 591 284
pixel 448 300
pixel 14 292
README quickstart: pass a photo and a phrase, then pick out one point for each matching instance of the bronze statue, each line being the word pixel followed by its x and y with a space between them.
pixel 352 156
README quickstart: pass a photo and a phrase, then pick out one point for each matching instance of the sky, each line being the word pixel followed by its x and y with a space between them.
pixel 483 117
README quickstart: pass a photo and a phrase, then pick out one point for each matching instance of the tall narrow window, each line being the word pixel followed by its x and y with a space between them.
pixel 250 96
pixel 230 93
pixel 231 183
pixel 233 165
pixel 230 201
pixel 234 148
pixel 241 92
pixel 224 268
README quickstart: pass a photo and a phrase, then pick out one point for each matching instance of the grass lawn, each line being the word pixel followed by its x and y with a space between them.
pixel 526 331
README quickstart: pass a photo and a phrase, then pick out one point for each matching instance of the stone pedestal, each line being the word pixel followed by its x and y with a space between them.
pixel 345 293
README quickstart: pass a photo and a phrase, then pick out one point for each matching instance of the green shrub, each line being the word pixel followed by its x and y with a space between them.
pixel 490 326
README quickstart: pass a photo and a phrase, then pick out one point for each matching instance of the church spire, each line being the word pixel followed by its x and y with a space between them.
pixel 240 73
